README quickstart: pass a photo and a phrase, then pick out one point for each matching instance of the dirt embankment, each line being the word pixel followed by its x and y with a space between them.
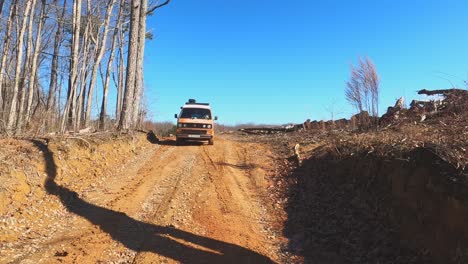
pixel 28 214
pixel 367 208
pixel 396 195
pixel 130 200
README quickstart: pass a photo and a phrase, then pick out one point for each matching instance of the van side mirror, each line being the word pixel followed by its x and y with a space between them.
pixel 216 118
pixel 175 115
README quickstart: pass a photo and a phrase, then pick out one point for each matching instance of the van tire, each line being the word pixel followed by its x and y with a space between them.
pixel 179 142
pixel 211 141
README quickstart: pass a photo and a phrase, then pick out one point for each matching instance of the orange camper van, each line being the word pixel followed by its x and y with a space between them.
pixel 195 122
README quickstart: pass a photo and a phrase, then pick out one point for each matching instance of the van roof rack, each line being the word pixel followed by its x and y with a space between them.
pixel 194 102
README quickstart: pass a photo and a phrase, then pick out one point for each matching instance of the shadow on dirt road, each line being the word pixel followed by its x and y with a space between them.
pixel 145 237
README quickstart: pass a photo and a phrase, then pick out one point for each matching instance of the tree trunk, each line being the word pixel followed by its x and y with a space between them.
pixel 121 77
pixel 34 64
pixel 12 116
pixel 99 53
pixel 27 68
pixel 5 55
pixel 140 57
pixel 83 73
pixel 102 117
pixel 69 107
pixel 82 76
pixel 54 65
pixel 126 114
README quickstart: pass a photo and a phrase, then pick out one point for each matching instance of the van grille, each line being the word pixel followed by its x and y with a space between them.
pixel 194 125
pixel 194 132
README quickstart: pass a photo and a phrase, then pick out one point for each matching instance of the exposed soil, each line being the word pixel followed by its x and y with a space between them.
pixel 126 200
pixel 393 195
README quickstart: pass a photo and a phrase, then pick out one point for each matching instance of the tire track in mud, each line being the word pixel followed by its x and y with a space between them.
pixel 243 218
pixel 223 193
pixel 152 184
pixel 148 198
pixel 162 197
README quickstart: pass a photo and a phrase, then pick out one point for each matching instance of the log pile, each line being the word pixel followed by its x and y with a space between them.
pixel 454 102
pixel 270 130
pixel 450 103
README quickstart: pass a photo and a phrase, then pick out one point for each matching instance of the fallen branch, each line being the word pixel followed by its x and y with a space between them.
pixel 268 130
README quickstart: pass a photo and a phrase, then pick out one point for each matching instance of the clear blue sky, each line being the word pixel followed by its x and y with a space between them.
pixel 285 61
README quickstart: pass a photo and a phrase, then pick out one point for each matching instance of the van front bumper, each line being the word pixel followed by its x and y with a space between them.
pixel 194 136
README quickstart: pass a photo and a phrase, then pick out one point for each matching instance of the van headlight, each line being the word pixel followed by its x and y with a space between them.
pixel 208 126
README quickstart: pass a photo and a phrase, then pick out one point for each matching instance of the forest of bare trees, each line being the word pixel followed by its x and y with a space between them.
pixel 60 59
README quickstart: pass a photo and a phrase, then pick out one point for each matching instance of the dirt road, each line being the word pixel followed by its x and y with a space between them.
pixel 189 204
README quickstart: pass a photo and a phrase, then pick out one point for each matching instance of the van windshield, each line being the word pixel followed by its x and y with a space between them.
pixel 195 113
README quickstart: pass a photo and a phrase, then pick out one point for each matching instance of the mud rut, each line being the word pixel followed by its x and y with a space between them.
pixel 189 204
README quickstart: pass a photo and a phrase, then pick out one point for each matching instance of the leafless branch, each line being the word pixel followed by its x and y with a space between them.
pixel 152 9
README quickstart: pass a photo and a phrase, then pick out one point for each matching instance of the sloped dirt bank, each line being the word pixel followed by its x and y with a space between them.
pixel 363 207
pixel 28 214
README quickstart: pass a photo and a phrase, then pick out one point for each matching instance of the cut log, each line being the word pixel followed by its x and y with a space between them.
pixel 441 91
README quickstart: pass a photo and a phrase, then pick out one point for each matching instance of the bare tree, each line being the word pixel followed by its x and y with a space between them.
pixel 126 116
pixel 54 74
pixel 86 57
pixel 48 51
pixel 354 91
pixel 362 90
pixel 100 44
pixel 69 106
pixel 121 76
pixel 134 78
pixel 12 116
pixel 332 110
pixel 5 55
pixel 106 82
pixel 140 56
pixel 34 62
pixel 27 67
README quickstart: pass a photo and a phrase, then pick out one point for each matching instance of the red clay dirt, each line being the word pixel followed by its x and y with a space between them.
pixel 126 200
